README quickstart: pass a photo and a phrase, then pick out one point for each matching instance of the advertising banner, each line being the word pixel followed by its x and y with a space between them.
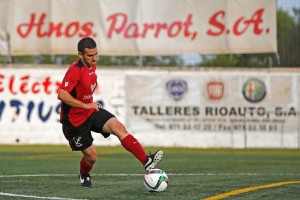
pixel 30 110
pixel 143 27
pixel 193 108
pixel 236 109
pixel 4 7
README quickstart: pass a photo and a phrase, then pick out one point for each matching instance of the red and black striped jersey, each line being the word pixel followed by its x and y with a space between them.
pixel 81 83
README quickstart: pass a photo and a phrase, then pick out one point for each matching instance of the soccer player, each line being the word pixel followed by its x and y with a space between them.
pixel 80 114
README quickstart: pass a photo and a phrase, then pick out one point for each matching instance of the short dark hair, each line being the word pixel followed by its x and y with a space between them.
pixel 86 42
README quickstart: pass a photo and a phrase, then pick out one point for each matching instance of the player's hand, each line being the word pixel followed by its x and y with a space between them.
pixel 93 105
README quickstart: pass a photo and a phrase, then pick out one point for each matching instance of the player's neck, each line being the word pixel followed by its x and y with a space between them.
pixel 86 65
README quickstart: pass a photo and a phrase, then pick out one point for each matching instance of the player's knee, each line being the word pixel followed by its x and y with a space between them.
pixel 92 159
pixel 120 131
pixel 120 127
pixel 115 126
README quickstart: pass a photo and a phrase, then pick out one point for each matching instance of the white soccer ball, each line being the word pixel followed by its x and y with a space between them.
pixel 156 180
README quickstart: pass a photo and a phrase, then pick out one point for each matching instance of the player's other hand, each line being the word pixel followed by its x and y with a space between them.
pixel 93 105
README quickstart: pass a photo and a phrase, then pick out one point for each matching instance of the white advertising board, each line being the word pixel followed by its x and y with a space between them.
pixel 192 108
pixel 4 7
pixel 233 109
pixel 143 27
pixel 30 110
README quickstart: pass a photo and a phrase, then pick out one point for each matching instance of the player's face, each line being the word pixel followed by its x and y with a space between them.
pixel 89 57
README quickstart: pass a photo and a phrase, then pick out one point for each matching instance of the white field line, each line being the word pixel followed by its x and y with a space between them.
pixel 169 174
pixel 35 197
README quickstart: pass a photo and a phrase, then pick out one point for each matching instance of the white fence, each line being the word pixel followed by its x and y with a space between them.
pixel 202 108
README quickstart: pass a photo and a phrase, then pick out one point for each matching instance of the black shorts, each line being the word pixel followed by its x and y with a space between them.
pixel 80 137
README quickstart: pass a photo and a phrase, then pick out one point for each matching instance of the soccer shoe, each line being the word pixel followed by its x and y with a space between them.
pixel 85 181
pixel 153 159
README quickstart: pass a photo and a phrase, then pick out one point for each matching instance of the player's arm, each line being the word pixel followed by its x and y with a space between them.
pixel 65 97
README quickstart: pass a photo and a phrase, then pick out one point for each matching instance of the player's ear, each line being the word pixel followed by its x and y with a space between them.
pixel 80 55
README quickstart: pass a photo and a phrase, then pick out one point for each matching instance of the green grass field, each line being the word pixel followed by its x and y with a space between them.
pixel 50 172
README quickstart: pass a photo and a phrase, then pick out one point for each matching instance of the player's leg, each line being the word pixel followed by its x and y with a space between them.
pixel 106 123
pixel 131 144
pixel 80 139
pixel 86 165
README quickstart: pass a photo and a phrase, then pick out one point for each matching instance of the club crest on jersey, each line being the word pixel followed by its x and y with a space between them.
pixel 93 86
pixel 66 84
pixel 77 141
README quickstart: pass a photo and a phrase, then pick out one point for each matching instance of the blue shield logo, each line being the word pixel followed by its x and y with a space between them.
pixel 177 89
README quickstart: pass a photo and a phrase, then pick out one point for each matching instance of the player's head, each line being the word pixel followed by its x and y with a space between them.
pixel 87 51
pixel 86 42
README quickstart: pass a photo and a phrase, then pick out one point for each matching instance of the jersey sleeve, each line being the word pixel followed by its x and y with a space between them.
pixel 71 78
